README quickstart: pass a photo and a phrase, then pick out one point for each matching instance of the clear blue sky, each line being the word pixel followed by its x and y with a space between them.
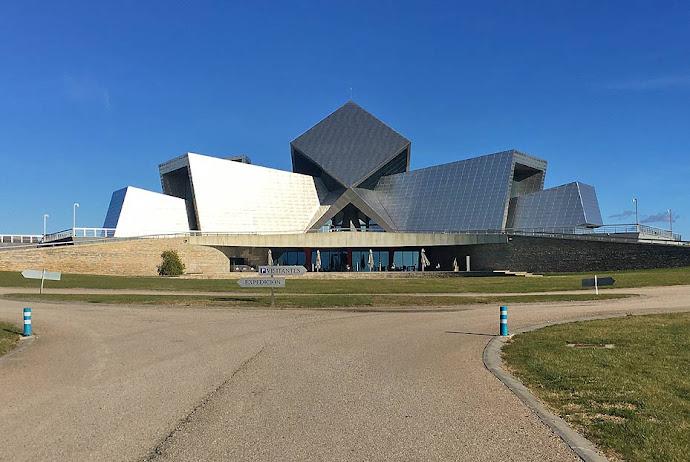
pixel 94 95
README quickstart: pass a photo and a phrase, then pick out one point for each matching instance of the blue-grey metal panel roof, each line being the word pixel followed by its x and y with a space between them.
pixel 117 200
pixel 470 194
pixel 350 144
pixel 372 199
pixel 559 207
pixel 590 204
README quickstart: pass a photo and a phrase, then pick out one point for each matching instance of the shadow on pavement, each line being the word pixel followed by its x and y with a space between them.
pixel 470 333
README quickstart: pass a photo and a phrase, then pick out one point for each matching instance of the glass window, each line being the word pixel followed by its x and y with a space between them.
pixel 331 260
pixel 398 260
pixel 289 257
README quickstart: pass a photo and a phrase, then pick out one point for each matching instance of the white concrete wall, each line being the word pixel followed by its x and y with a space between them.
pixel 144 213
pixel 243 198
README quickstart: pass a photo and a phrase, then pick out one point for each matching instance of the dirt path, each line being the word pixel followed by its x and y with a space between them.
pixel 119 382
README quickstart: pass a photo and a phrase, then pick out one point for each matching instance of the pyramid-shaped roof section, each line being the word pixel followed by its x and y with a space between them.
pixel 351 144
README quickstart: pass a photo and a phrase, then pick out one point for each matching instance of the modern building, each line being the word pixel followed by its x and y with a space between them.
pixel 352 195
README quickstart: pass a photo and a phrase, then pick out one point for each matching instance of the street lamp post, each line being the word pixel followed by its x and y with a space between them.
pixel 45 220
pixel 670 221
pixel 637 222
pixel 74 216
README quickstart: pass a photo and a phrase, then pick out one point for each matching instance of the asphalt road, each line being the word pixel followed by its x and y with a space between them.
pixel 164 383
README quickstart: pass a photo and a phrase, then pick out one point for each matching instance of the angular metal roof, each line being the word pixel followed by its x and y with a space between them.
pixel 467 195
pixel 350 145
pixel 569 205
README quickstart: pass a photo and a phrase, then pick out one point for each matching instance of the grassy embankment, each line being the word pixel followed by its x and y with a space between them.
pixel 554 282
pixel 319 293
pixel 632 400
pixel 9 337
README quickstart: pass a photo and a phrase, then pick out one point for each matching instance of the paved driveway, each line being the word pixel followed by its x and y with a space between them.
pixel 137 383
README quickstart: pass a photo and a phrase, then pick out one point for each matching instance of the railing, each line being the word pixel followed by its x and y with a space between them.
pixel 18 239
pixel 93 232
pixel 79 233
pixel 634 229
pixel 622 232
pixel 60 235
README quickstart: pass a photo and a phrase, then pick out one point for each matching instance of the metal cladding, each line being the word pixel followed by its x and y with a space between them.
pixel 572 204
pixel 350 145
pixel 352 172
pixel 464 195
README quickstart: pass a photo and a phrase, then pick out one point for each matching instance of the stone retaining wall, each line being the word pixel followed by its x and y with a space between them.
pixel 543 254
pixel 139 257
pixel 538 255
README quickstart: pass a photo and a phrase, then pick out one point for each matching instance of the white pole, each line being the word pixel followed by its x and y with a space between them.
pixel 596 285
pixel 467 262
pixel 74 216
pixel 43 276
pixel 45 219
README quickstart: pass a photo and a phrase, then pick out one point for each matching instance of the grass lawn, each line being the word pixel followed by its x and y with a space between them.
pixel 9 337
pixel 633 400
pixel 624 279
pixel 308 301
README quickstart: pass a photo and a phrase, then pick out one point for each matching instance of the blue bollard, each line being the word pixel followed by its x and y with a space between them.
pixel 27 322
pixel 504 321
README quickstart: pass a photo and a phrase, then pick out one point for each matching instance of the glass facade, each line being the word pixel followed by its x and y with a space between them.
pixel 384 260
pixel 338 259
pixel 331 260
pixel 360 260
pixel 289 258
pixel 405 260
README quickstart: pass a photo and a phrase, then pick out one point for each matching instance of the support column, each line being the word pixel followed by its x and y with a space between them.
pixel 307 254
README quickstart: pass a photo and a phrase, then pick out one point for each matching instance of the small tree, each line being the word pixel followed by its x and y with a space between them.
pixel 171 264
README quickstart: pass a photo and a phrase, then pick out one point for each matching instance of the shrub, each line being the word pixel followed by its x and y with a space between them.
pixel 171 264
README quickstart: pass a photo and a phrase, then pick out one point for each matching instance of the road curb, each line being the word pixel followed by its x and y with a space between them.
pixel 24 343
pixel 584 448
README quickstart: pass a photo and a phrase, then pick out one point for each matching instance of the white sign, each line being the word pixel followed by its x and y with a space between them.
pixel 261 282
pixel 41 274
pixel 283 270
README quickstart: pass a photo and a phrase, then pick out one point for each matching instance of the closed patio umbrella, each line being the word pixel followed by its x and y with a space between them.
pixel 317 265
pixel 371 260
pixel 425 261
pixel 456 268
